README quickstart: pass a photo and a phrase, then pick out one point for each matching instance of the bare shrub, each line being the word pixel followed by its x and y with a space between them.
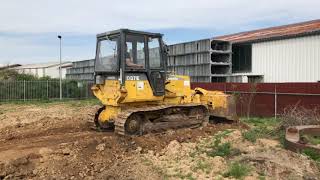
pixel 299 115
pixel 253 90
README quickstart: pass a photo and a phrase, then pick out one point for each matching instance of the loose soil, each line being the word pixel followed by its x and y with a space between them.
pixel 57 141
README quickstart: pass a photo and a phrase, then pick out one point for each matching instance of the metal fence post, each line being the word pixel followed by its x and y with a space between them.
pixel 66 90
pixel 24 90
pixel 275 101
pixel 47 89
pixel 87 94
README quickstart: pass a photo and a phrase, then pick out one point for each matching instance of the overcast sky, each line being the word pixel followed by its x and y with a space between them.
pixel 29 28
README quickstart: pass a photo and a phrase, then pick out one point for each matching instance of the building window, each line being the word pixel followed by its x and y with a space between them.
pixel 241 58
pixel 218 79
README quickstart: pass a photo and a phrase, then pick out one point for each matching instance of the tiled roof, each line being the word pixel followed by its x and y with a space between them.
pixel 298 29
pixel 42 65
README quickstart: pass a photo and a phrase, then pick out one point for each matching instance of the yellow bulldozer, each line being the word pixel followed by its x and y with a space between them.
pixel 140 96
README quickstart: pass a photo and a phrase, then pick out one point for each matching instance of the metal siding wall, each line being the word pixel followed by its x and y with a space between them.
pixel 291 60
pixel 81 70
pixel 202 60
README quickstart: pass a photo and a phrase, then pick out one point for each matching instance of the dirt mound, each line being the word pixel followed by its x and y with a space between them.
pixel 55 141
pixel 194 160
pixel 18 116
pixel 48 141
pixel 282 164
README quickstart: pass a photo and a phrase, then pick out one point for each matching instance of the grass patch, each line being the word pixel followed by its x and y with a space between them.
pixel 84 102
pixel 314 140
pixel 47 102
pixel 262 178
pixel 164 173
pixel 203 166
pixel 182 176
pixel 188 176
pixel 216 141
pixel 262 128
pixel 259 132
pixel 261 122
pixel 217 148
pixel 159 170
pixel 250 135
pixel 312 154
pixel 220 150
pixel 237 170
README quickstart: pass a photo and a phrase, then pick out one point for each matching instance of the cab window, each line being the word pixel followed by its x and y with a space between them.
pixel 134 52
pixel 107 56
pixel 154 53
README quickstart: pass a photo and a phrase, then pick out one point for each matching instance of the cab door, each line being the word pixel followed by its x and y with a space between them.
pixel 156 72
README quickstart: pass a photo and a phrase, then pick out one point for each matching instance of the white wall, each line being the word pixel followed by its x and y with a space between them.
pixel 53 72
pixel 290 60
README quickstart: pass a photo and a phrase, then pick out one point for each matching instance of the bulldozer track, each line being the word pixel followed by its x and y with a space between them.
pixel 121 119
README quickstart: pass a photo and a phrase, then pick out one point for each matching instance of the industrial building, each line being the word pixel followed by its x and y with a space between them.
pixel 81 70
pixel 206 60
pixel 8 66
pixel 44 69
pixel 289 53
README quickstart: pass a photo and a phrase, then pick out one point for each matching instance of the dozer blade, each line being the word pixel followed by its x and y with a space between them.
pixel 221 106
pixel 227 114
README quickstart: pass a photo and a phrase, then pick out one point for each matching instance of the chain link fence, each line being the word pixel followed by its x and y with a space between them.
pixel 266 99
pixel 44 90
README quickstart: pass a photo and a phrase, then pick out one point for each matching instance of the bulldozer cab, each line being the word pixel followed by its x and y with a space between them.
pixel 131 55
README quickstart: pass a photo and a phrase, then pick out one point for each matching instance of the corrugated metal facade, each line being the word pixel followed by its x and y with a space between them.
pixel 204 60
pixel 81 70
pixel 289 60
